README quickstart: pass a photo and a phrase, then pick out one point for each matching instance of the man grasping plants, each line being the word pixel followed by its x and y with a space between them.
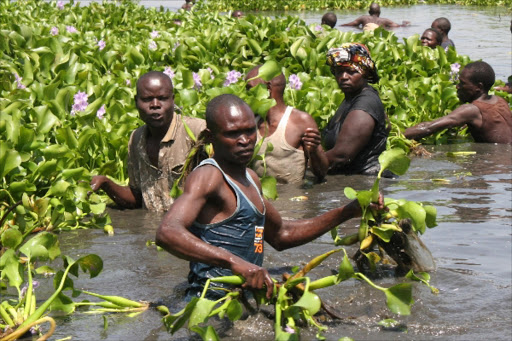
pixel 220 221
pixel 157 151
pixel 488 117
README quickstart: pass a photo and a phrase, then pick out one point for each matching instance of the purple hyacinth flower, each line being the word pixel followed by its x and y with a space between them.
pixel 80 102
pixel 168 71
pixel 152 45
pixel 71 29
pixel 154 34
pixel 232 77
pixel 101 112
pixel 60 4
pixel 54 31
pixel 18 79
pixel 295 82
pixel 101 44
pixel 128 82
pixel 197 80
pixel 319 28
pixel 454 72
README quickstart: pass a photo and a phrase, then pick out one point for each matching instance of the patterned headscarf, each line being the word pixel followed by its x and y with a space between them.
pixel 355 56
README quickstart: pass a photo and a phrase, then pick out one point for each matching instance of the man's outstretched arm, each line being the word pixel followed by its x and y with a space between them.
pixel 465 114
pixel 123 196
pixel 285 234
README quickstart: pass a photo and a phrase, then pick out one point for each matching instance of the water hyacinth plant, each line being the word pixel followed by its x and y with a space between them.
pixel 52 64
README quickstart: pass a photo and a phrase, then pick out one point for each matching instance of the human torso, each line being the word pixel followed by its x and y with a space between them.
pixel 241 233
pixel 366 162
pixel 285 162
pixel 496 125
pixel 154 177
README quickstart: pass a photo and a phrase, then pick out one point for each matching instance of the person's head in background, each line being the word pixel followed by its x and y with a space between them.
pixel 329 19
pixel 237 14
pixel 431 38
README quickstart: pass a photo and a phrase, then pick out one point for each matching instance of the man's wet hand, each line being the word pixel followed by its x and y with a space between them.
pixel 379 205
pixel 255 277
pixel 97 182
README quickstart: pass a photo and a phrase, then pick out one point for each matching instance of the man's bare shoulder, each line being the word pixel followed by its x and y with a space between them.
pixel 255 177
pixel 205 179
pixel 302 119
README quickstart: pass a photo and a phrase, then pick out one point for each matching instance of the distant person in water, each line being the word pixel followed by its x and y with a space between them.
pixel 488 117
pixel 187 6
pixel 374 18
pixel 329 19
pixel 237 14
pixel 431 38
pixel 443 26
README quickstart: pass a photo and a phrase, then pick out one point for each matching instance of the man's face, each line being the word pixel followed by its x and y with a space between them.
pixel 155 102
pixel 467 91
pixel 429 39
pixel 235 134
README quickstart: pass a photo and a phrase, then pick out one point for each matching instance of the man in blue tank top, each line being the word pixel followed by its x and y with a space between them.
pixel 221 219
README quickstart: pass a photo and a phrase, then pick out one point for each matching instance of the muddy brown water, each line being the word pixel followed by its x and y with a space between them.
pixel 471 245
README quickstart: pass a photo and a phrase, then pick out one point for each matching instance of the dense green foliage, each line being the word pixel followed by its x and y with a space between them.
pixel 67 81
pixel 316 5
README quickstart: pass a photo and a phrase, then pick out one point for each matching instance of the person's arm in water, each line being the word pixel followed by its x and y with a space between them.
pixel 465 114
pixel 123 196
pixel 358 22
pixel 355 133
pixel 201 196
pixel 390 23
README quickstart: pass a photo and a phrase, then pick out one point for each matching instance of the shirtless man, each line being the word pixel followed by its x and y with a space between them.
pixel 220 221
pixel 157 151
pixel 488 117
pixel 374 18
pixel 293 134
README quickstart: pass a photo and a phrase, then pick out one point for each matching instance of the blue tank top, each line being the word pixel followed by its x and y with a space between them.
pixel 241 234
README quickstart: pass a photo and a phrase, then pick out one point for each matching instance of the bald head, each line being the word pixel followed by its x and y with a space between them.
pixel 329 19
pixel 278 83
pixel 219 105
pixel 481 72
pixel 374 9
pixel 153 77
pixel 442 24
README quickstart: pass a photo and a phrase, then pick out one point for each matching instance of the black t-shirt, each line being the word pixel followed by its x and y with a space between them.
pixel 367 161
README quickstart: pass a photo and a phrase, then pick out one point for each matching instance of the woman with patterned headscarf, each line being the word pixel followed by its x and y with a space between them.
pixel 357 134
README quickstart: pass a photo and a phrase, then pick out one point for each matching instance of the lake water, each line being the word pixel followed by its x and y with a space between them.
pixel 471 245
